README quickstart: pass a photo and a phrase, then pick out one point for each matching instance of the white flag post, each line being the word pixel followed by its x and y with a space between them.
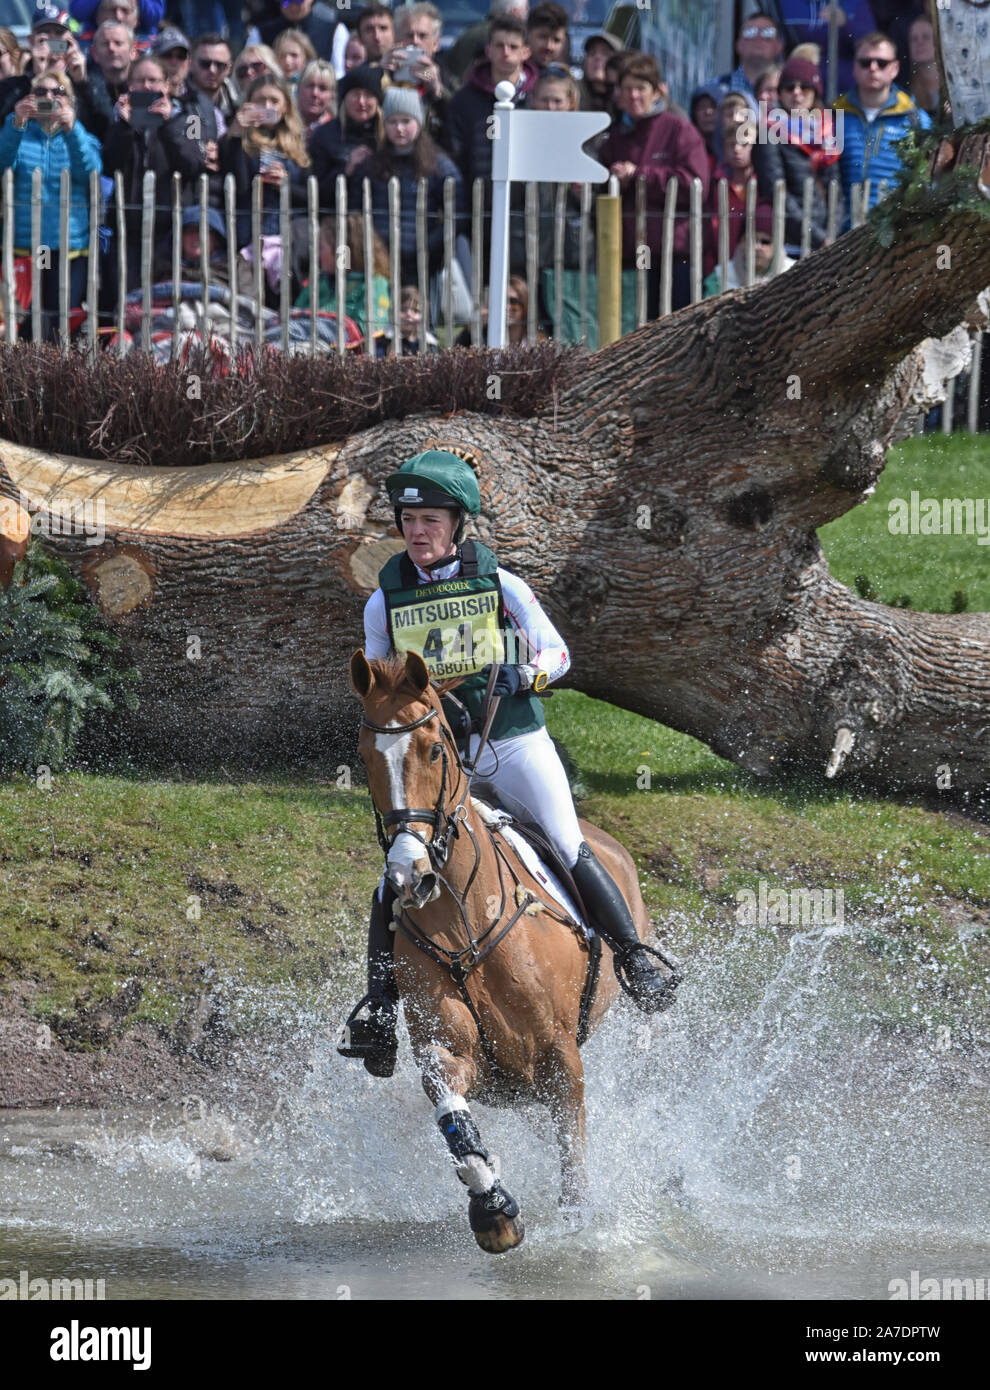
pixel 538 147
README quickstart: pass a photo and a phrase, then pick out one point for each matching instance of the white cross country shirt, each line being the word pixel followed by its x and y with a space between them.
pixel 522 610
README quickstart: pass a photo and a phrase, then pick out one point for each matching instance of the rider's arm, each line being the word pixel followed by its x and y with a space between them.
pixel 546 649
pixel 377 642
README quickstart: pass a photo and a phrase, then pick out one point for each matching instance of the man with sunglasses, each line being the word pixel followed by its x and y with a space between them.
pixel 876 114
pixel 758 46
pixel 209 74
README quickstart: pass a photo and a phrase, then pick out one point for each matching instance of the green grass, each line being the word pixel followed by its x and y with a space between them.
pixel 100 876
pixel 915 881
pixel 928 570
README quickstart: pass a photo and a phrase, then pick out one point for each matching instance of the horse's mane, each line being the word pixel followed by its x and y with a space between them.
pixel 390 677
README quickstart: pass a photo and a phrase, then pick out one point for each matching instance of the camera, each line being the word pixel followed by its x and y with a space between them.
pixel 268 115
pixel 58 46
pixel 46 105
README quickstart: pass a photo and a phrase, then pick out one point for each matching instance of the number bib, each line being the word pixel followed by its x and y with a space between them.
pixel 453 625
pixel 458 626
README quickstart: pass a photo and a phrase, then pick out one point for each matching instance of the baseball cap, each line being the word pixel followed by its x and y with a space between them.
pixel 168 39
pixel 45 15
pixel 614 44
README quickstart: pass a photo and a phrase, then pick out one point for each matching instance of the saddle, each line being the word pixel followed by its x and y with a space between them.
pixel 530 830
pixel 524 824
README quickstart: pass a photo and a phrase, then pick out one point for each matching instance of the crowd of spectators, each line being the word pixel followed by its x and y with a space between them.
pixel 285 89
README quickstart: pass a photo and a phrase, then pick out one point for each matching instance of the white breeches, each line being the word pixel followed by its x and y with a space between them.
pixel 527 767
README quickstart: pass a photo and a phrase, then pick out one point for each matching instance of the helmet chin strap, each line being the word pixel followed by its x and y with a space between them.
pixel 441 564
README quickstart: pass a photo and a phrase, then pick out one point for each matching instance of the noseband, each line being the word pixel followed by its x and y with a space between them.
pixel 438 847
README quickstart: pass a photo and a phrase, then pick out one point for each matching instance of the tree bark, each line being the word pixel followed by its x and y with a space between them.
pixel 664 507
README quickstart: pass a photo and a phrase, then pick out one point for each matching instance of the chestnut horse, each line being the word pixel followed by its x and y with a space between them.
pixel 491 968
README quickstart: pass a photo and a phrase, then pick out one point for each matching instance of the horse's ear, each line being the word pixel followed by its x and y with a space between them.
pixel 416 672
pixel 362 676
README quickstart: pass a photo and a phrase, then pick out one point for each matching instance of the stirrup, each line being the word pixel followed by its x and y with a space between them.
pixel 663 998
pixel 371 1039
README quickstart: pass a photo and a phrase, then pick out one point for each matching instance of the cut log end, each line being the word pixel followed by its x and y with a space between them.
pixel 15 535
pixel 123 583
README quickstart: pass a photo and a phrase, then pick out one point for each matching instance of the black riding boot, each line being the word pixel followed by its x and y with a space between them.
pixel 650 988
pixel 373 1038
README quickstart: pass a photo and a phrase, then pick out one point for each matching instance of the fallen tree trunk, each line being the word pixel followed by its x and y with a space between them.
pixel 664 505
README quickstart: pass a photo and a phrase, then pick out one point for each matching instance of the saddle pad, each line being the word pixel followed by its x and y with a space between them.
pixel 543 875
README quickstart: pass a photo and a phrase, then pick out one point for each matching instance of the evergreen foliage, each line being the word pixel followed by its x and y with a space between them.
pixel 58 665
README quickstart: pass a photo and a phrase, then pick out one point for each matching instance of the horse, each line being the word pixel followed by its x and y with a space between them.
pixel 494 973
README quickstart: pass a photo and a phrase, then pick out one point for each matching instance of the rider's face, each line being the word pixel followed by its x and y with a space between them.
pixel 429 533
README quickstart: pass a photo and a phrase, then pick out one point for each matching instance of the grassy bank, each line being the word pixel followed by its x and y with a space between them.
pixel 128 899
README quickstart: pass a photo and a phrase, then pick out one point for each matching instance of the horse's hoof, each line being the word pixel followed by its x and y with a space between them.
pixel 495 1220
pixel 507 1233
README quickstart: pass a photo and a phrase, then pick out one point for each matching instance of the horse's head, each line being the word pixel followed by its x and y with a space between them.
pixel 414 772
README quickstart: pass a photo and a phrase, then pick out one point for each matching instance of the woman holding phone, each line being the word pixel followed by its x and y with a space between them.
pixel 42 133
pixel 266 140
pixel 148 134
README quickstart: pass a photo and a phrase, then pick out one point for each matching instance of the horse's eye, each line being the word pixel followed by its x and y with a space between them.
pixel 435 752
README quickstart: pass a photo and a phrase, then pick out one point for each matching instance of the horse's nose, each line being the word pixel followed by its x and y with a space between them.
pixel 414 884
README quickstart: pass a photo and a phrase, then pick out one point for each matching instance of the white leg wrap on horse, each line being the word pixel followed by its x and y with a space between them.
pixel 448 1104
pixel 475 1173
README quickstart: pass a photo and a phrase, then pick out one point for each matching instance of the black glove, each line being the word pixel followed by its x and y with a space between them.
pixel 510 679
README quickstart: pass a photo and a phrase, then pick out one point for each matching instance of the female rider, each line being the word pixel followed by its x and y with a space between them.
pixel 432 494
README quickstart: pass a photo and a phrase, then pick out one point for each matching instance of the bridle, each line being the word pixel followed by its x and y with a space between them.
pixel 445 824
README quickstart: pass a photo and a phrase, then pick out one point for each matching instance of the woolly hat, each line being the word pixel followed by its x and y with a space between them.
pixel 363 78
pixel 404 101
pixel 801 70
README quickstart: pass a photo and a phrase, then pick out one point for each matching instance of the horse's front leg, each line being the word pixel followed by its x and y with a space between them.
pixel 561 1078
pixel 492 1211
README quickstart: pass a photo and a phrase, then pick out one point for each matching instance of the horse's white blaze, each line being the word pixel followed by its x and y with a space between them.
pixel 393 748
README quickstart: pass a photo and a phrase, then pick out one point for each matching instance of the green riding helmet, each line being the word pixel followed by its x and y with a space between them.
pixel 435 478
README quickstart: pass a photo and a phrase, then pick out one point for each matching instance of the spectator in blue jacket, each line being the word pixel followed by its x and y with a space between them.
pixel 874 116
pixel 51 140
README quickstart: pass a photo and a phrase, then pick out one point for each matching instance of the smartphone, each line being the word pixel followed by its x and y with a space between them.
pixel 404 75
pixel 141 117
pixel 46 105
pixel 58 46
pixel 268 115
pixel 268 159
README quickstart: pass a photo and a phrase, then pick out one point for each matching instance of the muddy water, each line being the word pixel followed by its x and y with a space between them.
pixel 754 1143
